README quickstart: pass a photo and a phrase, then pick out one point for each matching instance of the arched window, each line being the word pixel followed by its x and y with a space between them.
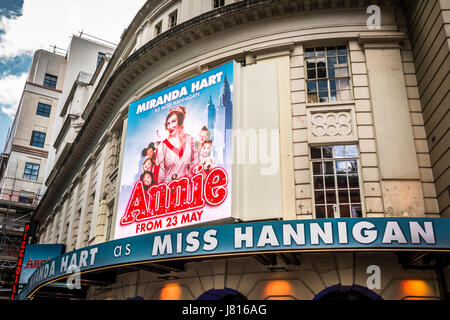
pixel 340 292
pixel 225 294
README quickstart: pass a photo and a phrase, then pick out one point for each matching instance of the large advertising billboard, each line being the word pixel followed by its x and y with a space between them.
pixel 176 168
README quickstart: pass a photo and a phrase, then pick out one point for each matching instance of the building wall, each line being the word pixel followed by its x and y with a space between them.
pixel 427 24
pixel 317 272
pixel 81 57
pixel 27 120
pixel 387 190
pixel 388 121
pixel 46 62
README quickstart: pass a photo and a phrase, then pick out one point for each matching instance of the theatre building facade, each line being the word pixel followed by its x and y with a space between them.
pixel 257 150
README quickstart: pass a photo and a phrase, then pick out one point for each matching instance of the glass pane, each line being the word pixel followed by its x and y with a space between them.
pixel 342 181
pixel 330 212
pixel 353 181
pixel 311 74
pixel 331 51
pixel 329 167
pixel 332 62
pixel 315 153
pixel 343 196
pixel 320 212
pixel 321 72
pixel 317 167
pixel 319 197
pixel 311 64
pixel 323 85
pixel 344 95
pixel 312 98
pixel 351 151
pixel 327 153
pixel 341 72
pixel 318 182
pixel 344 211
pixel 341 167
pixel 342 50
pixel 323 96
pixel 309 52
pixel 333 85
pixel 356 211
pixel 339 152
pixel 352 166
pixel 333 96
pixel 312 86
pixel 320 52
pixel 321 62
pixel 342 60
pixel 329 182
pixel 331 72
pixel 354 196
pixel 331 197
pixel 343 84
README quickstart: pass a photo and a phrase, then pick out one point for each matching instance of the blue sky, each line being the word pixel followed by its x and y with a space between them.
pixel 10 66
pixel 25 29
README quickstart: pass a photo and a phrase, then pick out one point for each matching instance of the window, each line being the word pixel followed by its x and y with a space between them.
pixel 219 3
pixel 119 142
pixel 327 74
pixel 173 19
pixel 336 181
pixel 65 232
pixel 37 139
pixel 31 171
pixel 43 109
pixel 109 220
pixel 158 28
pixel 100 56
pixel 27 197
pixel 50 81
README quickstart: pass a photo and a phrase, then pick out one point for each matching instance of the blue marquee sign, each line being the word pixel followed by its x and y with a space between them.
pixel 294 235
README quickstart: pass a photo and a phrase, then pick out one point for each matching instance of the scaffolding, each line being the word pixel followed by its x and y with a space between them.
pixel 16 209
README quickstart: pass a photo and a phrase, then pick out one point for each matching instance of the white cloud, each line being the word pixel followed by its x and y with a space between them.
pixel 11 88
pixel 52 22
pixel 45 23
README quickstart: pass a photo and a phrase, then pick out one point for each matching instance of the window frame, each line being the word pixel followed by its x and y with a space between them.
pixel 173 14
pixel 41 109
pixel 336 189
pixel 100 56
pixel 38 139
pixel 218 3
pixel 158 28
pixel 328 79
pixel 50 81
pixel 31 173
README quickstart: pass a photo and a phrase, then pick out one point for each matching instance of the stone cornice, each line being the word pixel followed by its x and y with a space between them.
pixel 30 151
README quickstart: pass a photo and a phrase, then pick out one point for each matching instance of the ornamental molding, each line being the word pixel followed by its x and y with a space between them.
pixel 331 124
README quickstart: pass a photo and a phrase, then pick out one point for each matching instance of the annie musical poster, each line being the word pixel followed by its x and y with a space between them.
pixel 178 150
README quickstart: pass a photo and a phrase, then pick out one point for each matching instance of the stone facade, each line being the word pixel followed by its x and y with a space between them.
pixel 385 116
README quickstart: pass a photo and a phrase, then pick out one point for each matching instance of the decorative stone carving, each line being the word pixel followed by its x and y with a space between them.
pixel 331 124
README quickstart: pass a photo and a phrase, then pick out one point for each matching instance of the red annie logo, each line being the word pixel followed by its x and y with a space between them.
pixel 33 264
pixel 177 196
